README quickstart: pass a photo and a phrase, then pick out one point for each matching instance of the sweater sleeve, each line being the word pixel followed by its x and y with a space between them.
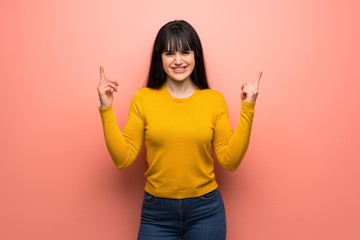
pixel 230 146
pixel 124 146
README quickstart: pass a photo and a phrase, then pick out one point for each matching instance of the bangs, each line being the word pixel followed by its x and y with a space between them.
pixel 177 41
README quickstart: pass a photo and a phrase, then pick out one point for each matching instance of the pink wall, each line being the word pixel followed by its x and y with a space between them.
pixel 300 179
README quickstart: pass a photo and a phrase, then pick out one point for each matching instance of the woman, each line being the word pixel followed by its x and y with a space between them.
pixel 179 118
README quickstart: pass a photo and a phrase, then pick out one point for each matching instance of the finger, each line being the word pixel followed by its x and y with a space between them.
pixel 249 88
pixel 250 93
pixel 107 86
pixel 114 81
pixel 107 90
pixel 257 82
pixel 113 85
pixel 102 74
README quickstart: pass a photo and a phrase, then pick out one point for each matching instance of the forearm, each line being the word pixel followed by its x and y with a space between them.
pixel 240 140
pixel 122 152
pixel 233 151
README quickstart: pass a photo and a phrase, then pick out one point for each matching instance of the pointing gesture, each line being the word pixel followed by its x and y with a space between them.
pixel 250 91
pixel 106 88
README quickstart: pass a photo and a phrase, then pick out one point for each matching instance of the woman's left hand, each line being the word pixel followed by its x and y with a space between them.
pixel 250 91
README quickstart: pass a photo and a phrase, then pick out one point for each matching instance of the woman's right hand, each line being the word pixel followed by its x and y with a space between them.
pixel 106 89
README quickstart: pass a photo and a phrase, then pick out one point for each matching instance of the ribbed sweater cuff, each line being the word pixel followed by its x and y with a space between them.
pixel 247 106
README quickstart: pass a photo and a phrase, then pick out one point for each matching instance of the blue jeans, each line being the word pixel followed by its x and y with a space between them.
pixel 199 218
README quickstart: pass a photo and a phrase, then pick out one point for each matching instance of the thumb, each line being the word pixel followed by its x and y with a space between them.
pixel 257 82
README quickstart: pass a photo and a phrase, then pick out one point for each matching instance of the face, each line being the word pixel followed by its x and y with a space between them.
pixel 178 65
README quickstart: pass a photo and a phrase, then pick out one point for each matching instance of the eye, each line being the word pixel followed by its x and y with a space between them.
pixel 185 52
pixel 169 53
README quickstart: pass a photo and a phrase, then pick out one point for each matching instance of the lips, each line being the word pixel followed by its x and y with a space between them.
pixel 179 69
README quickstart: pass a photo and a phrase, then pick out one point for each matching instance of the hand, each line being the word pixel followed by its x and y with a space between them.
pixel 106 88
pixel 250 91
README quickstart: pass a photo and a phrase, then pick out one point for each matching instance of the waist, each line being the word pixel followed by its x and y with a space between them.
pixel 175 192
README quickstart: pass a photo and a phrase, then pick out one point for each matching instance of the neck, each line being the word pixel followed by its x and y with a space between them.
pixel 181 89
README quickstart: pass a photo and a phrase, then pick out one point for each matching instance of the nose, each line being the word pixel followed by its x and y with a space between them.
pixel 178 59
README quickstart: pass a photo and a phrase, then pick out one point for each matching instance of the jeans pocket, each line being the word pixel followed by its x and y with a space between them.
pixel 149 199
pixel 210 195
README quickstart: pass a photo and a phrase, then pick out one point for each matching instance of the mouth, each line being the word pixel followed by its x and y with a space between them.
pixel 179 69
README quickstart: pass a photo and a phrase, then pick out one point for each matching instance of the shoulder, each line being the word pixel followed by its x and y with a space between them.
pixel 144 93
pixel 214 99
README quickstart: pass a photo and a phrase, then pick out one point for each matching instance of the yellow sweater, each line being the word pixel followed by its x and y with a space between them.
pixel 178 135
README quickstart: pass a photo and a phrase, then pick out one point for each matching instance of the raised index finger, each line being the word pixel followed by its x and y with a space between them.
pixel 102 74
pixel 257 82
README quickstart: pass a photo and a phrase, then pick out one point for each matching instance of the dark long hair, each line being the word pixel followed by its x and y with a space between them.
pixel 176 35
